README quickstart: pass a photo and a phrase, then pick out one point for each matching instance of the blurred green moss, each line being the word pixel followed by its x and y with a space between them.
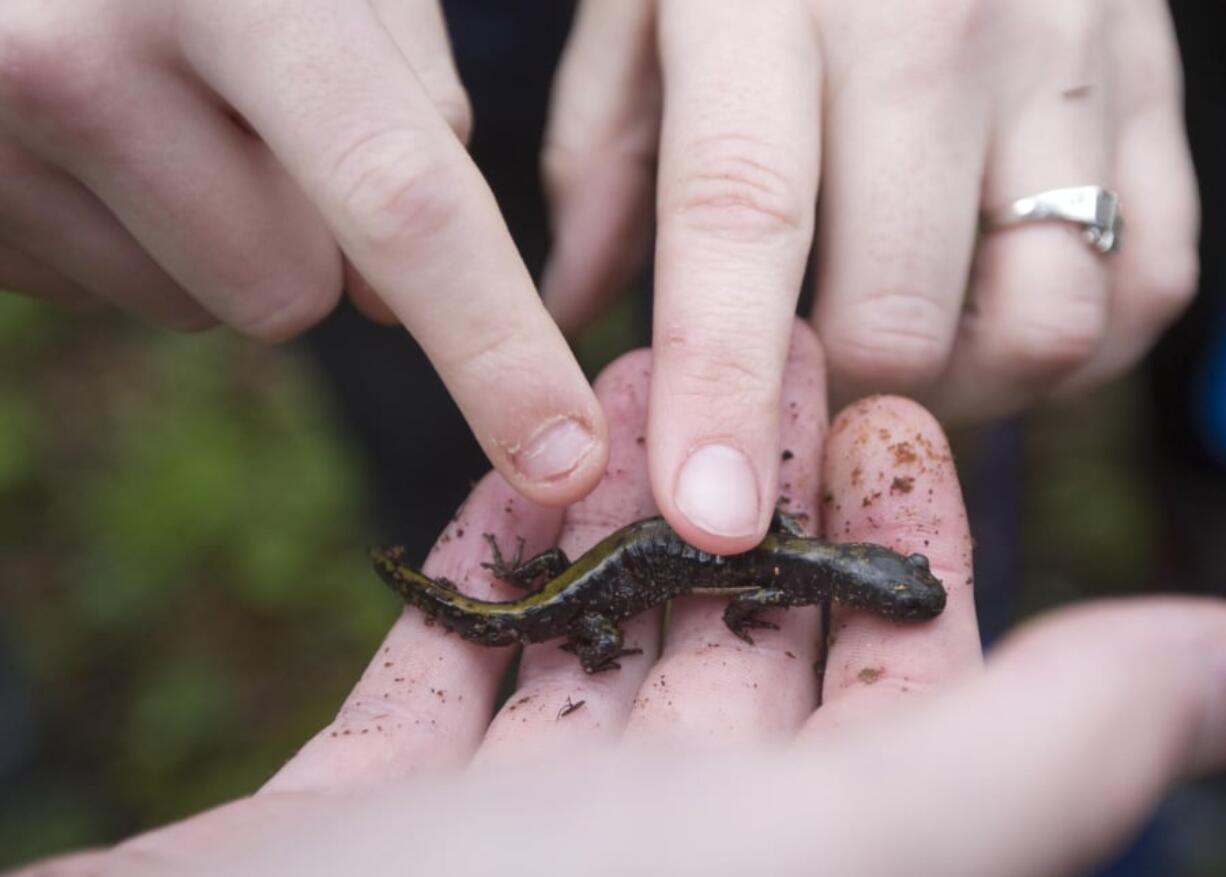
pixel 18 439
pixel 181 565
pixel 625 326
pixel 1090 520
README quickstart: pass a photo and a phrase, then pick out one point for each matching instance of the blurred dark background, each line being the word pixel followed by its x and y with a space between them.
pixel 183 519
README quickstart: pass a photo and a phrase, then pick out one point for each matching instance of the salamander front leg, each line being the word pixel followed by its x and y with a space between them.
pixel 597 640
pixel 782 522
pixel 741 613
pixel 524 573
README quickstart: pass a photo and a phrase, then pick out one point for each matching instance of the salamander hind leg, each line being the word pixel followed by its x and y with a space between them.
pixel 741 614
pixel 597 640
pixel 524 573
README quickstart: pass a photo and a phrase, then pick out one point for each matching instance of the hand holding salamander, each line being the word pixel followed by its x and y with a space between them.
pixel 878 765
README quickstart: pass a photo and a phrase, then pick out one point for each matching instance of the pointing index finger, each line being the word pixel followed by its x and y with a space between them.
pixel 359 134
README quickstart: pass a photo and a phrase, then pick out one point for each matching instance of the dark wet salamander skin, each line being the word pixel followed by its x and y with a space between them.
pixel 646 564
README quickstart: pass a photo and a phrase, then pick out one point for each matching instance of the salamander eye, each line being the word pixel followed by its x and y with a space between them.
pixel 919 560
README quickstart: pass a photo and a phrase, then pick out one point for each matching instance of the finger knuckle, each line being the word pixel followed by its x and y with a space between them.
pixel 740 188
pixel 392 195
pixel 891 340
pixel 629 370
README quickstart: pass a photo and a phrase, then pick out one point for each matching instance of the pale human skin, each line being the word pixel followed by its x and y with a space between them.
pixel 196 161
pixel 707 755
pixel 908 119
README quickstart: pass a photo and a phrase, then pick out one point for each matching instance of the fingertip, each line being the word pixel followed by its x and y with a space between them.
pixel 632 371
pixel 561 461
pixel 890 478
pixel 720 491
pixel 717 499
pixel 897 409
pixel 632 368
pixel 714 439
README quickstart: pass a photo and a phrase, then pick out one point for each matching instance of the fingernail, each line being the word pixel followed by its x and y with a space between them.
pixel 718 491
pixel 1211 748
pixel 555 451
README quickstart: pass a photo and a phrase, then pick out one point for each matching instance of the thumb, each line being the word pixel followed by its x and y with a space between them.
pixel 1078 728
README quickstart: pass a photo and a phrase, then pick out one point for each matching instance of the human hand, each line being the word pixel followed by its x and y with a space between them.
pixel 708 755
pixel 919 115
pixel 192 161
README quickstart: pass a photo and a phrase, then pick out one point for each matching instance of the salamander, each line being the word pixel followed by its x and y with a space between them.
pixel 646 564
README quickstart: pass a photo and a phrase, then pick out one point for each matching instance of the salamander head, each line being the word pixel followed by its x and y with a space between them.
pixel 905 587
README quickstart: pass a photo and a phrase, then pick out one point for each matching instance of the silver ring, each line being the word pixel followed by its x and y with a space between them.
pixel 1095 209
